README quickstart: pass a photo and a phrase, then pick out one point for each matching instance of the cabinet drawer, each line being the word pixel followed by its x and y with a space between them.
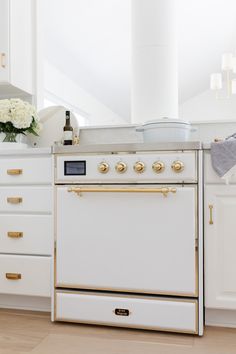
pixel 128 311
pixel 25 275
pixel 26 234
pixel 37 170
pixel 26 199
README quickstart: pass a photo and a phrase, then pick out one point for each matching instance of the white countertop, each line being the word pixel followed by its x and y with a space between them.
pixel 26 151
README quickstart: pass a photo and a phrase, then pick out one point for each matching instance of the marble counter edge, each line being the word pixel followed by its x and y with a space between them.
pixel 26 151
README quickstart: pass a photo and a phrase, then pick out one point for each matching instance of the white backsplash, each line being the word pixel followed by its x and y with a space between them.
pixel 110 135
pixel 205 132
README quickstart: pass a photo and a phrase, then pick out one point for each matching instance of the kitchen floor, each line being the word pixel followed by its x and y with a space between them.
pixel 22 333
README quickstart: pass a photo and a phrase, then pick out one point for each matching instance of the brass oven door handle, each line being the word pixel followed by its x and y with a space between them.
pixel 14 200
pixel 14 172
pixel 13 276
pixel 3 60
pixel 164 190
pixel 211 214
pixel 14 234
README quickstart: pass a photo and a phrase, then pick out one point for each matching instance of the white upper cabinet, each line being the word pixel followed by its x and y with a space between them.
pixel 220 246
pixel 16 37
pixel 4 40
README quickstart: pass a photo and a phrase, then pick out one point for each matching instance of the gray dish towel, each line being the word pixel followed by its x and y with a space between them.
pixel 223 156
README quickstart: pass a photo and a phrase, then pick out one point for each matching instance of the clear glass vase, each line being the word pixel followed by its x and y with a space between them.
pixel 10 137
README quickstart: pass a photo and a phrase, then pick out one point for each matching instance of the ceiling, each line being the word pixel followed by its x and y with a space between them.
pixel 89 40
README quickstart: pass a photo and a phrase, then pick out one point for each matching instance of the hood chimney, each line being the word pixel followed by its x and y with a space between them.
pixel 154 85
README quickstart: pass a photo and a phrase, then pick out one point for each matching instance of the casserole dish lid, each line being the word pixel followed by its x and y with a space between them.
pixel 165 120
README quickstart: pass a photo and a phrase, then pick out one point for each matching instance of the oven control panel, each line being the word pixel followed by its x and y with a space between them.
pixel 166 167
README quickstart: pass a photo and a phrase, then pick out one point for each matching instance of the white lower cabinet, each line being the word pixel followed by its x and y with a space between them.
pixel 28 200
pixel 25 275
pixel 220 246
pixel 26 234
pixel 26 229
pixel 128 311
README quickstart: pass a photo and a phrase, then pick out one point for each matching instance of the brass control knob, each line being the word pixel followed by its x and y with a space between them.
pixel 158 166
pixel 103 167
pixel 177 166
pixel 121 167
pixel 139 167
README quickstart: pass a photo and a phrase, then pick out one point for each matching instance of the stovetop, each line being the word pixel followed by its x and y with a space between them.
pixel 128 147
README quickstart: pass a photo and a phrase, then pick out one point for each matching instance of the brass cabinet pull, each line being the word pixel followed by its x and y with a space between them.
pixel 14 200
pixel 13 276
pixel 164 190
pixel 14 172
pixel 3 60
pixel 211 214
pixel 14 234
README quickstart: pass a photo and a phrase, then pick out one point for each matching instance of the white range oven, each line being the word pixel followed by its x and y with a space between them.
pixel 128 241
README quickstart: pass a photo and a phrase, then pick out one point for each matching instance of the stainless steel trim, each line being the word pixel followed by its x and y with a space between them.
pixel 129 147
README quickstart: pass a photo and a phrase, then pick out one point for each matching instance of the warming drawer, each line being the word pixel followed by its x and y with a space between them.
pixel 128 311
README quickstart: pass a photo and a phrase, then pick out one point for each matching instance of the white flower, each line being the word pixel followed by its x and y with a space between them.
pixel 5 115
pixel 22 115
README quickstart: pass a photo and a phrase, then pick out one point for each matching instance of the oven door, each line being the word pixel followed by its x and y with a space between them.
pixel 138 239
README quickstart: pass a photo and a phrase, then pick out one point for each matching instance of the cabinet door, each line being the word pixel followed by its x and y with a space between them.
pixel 21 39
pixel 4 40
pixel 220 246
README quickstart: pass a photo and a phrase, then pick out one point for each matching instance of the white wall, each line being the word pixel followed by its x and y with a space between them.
pixel 61 86
pixel 206 107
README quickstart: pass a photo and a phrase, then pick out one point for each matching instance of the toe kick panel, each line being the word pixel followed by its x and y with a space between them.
pixel 150 312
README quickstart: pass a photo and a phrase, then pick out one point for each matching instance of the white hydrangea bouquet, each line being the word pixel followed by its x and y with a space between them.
pixel 18 117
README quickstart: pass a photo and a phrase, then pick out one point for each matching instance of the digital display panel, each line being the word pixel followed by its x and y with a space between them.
pixel 74 168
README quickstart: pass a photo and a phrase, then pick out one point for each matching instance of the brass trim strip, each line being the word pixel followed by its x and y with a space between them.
pixel 14 172
pixel 15 234
pixel 13 276
pixel 126 295
pixel 163 190
pixel 3 60
pixel 139 291
pixel 14 200
pixel 211 214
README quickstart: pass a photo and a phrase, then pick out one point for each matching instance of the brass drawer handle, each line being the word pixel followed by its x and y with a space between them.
pixel 211 214
pixel 14 234
pixel 14 172
pixel 13 276
pixel 14 200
